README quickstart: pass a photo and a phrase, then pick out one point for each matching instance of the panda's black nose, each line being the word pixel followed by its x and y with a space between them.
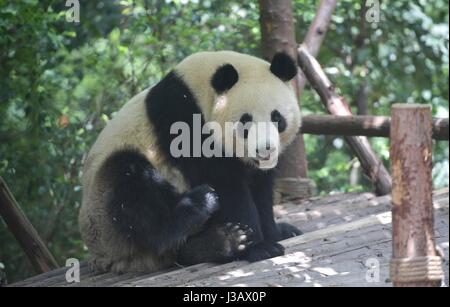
pixel 265 151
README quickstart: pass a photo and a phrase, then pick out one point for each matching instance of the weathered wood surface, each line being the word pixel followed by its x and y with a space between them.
pixel 342 232
pixel 412 222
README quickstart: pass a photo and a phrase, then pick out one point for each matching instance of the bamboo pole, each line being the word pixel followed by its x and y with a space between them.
pixel 24 232
pixel 415 261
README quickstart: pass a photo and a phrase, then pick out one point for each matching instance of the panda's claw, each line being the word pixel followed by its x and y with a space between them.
pixel 235 239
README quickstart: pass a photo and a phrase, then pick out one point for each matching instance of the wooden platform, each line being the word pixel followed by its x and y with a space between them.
pixel 342 233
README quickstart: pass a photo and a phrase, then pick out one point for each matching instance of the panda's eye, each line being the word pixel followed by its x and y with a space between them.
pixel 276 117
pixel 245 119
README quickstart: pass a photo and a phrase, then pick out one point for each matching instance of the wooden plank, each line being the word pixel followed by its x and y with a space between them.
pixel 290 244
pixel 186 274
pixel 191 273
pixel 57 277
pixel 337 261
pixel 103 280
pixel 356 225
pixel 85 272
pixel 310 217
pixel 109 279
pixel 340 204
pixel 44 276
pixel 52 277
pixel 338 240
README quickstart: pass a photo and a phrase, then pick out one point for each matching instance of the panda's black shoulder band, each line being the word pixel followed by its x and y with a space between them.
pixel 224 78
pixel 283 66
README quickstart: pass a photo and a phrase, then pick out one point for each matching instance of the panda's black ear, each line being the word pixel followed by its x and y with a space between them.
pixel 283 66
pixel 224 78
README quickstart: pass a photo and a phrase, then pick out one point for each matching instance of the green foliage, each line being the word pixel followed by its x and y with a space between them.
pixel 61 82
pixel 403 58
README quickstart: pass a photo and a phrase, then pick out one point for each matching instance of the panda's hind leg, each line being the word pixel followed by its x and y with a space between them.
pixel 217 243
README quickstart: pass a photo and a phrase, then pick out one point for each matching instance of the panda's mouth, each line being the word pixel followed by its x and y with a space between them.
pixel 265 164
pixel 255 162
pixel 260 161
pixel 262 158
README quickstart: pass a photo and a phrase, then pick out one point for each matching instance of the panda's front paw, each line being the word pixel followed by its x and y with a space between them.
pixel 263 250
pixel 197 206
pixel 204 198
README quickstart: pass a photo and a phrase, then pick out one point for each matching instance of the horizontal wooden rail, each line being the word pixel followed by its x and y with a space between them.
pixel 362 126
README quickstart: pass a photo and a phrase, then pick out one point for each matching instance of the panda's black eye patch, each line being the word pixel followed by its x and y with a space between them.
pixel 245 119
pixel 276 117
pixel 224 78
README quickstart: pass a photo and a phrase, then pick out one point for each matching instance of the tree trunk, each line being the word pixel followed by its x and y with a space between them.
pixel 362 96
pixel 278 34
pixel 362 99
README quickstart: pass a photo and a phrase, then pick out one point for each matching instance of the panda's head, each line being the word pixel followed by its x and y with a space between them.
pixel 253 101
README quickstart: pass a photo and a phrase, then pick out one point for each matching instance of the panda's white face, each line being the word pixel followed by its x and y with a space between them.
pixel 265 118
pixel 233 88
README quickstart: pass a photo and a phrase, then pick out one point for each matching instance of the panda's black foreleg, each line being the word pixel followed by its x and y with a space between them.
pixel 262 192
pixel 238 207
pixel 146 210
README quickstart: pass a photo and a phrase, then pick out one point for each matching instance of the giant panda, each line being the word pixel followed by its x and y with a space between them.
pixel 145 209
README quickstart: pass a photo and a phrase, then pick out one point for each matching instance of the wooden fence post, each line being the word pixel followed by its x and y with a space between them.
pixel 28 238
pixel 414 261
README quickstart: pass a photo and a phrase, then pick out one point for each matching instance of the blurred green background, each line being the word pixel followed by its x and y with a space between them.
pixel 60 82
